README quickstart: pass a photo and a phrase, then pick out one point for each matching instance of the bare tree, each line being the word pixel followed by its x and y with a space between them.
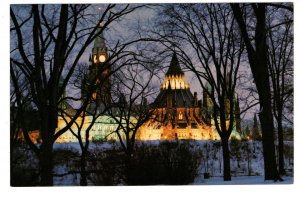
pixel 280 61
pixel 46 38
pixel 20 105
pixel 130 109
pixel 209 46
pixel 16 95
pixel 83 125
pixel 257 50
pixel 85 121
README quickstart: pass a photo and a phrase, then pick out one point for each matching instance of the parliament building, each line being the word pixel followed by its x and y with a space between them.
pixel 178 113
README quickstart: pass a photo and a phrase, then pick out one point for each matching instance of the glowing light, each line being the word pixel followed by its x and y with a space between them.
pixel 102 58
pixel 95 59
pixel 176 82
pixel 94 95
pixel 180 116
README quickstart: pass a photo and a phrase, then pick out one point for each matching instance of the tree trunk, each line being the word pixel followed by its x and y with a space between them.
pixel 280 145
pixel 226 160
pixel 46 164
pixel 270 166
pixel 83 178
pixel 48 126
pixel 220 162
pixel 248 158
pixel 11 158
pixel 249 166
pixel 259 67
pixel 261 77
pixel 129 169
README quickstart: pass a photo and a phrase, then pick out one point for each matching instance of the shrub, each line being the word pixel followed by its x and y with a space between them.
pixel 24 166
pixel 170 163
pixel 63 156
pixel 107 166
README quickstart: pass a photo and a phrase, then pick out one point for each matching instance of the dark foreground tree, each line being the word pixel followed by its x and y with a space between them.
pixel 83 125
pixel 280 61
pixel 258 60
pixel 44 39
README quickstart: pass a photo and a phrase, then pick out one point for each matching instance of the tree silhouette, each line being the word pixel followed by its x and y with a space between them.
pixel 47 41
pixel 212 52
pixel 257 52
pixel 280 61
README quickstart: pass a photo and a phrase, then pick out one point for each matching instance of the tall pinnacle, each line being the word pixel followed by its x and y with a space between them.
pixel 99 43
pixel 174 68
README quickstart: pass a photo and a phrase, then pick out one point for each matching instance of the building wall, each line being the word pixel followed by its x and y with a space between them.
pixel 176 134
pixel 103 129
pixel 161 129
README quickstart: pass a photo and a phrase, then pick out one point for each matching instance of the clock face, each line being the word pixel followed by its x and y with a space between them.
pixel 102 58
pixel 95 59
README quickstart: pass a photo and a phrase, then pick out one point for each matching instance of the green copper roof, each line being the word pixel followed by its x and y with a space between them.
pixel 208 87
pixel 99 43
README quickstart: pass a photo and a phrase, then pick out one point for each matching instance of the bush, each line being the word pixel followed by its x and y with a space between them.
pixel 169 163
pixel 24 166
pixel 22 177
pixel 97 140
pixel 107 166
pixel 64 156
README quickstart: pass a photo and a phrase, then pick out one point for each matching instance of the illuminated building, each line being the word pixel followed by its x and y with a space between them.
pixel 97 82
pixel 95 86
pixel 178 113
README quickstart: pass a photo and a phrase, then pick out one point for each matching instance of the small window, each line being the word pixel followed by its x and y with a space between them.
pixel 180 116
pixel 94 95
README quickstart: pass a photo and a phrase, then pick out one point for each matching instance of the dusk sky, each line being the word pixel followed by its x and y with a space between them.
pixel 146 18
pixel 125 30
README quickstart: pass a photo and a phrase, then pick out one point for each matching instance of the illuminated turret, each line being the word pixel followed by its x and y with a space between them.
pixel 177 110
pixel 99 51
pixel 174 76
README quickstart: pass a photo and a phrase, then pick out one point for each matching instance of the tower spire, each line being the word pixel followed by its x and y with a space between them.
pixel 99 43
pixel 99 51
pixel 174 78
pixel 174 68
pixel 99 72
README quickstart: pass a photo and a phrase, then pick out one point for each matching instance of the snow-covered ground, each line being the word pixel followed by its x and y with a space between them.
pixel 241 180
pixel 246 159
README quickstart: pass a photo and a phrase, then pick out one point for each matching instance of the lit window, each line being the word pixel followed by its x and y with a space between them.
pixel 180 116
pixel 94 95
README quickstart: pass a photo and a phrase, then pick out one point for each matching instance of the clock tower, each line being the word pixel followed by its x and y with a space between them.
pixel 98 75
pixel 99 52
